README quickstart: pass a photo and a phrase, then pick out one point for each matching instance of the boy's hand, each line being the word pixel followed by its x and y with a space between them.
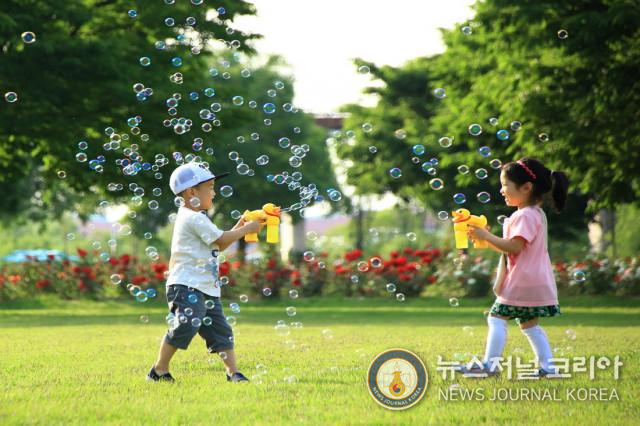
pixel 254 226
pixel 241 222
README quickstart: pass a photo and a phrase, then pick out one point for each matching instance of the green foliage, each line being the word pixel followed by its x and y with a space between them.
pixel 580 91
pixel 76 80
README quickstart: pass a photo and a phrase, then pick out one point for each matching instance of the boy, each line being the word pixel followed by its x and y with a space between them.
pixel 193 291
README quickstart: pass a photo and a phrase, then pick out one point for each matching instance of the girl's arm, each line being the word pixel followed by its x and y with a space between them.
pixel 513 246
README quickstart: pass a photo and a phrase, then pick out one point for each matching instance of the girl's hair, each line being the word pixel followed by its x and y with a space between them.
pixel 543 180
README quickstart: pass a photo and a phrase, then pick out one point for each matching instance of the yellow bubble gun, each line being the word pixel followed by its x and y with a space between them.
pixel 462 218
pixel 269 213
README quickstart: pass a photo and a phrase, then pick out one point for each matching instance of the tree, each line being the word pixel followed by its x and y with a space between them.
pixel 75 83
pixel 512 67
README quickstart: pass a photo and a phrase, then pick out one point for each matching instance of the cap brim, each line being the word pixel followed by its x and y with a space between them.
pixel 221 175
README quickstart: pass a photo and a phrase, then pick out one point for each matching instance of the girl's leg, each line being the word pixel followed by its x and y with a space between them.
pixel 539 343
pixel 496 338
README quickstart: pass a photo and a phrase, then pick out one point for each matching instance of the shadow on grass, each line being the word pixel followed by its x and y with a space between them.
pixel 317 316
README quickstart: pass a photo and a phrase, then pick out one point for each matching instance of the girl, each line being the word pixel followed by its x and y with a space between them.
pixel 527 289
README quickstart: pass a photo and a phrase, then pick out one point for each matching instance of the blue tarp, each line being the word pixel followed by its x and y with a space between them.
pixel 42 255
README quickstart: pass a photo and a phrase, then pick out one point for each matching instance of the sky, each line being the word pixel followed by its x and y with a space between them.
pixel 320 39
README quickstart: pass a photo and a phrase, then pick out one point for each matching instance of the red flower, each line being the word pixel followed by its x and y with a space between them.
pixel 15 279
pixel 235 265
pixel 269 275
pixel 159 276
pixel 432 279
pixel 113 261
pixel 82 286
pixel 139 279
pixel 51 256
pixel 408 251
pixel 43 283
pixel 82 253
pixel 353 255
pixel 66 262
pixel 295 274
pixel 125 259
pixel 405 277
pixel 271 264
pixel 159 268
pixel 224 268
pixel 394 254
pixel 297 283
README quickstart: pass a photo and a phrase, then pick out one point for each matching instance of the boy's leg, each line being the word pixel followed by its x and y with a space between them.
pixel 165 354
pixel 228 356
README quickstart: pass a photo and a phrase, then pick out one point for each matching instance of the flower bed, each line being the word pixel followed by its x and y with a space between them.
pixel 410 272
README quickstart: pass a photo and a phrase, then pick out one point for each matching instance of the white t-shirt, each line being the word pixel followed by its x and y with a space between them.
pixel 194 256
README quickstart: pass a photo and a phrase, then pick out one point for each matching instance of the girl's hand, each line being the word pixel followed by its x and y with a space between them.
pixel 476 234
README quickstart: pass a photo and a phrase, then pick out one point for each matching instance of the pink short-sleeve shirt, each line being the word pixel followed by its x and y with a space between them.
pixel 529 279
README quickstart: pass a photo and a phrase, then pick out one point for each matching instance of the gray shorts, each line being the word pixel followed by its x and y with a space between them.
pixel 197 313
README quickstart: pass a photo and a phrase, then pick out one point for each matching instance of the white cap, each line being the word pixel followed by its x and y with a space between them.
pixel 191 174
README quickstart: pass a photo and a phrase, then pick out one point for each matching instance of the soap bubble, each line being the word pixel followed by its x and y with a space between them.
pixel 418 149
pixel 395 173
pixel 145 61
pixel 515 125
pixel 495 164
pixel 563 34
pixel 192 298
pixel 367 127
pixel 244 298
pixel 144 319
pixel 308 256
pixel 282 329
pixel 391 287
pixel 363 69
pixel 481 173
pixel 11 97
pixel 484 197
pixel 459 198
pixel 411 236
pixel 291 311
pixel 485 151
pixel 194 202
pixel 502 134
pixel 312 235
pixel 493 121
pixel 376 262
pixel 400 134
pixel 543 137
pixel 463 169
pixel 443 215
pixel 373 149
pixel 454 302
pixel 475 129
pixel 269 108
pixel 226 191
pixel 579 275
pixel 466 30
pixel 445 141
pixel 436 184
pixel 327 333
pixel 501 219
pixel 153 205
pixel 439 93
pixel 293 294
pixel 28 37
pixel 235 308
pixel 400 297
pixel 209 304
pixel 116 279
pixel 267 291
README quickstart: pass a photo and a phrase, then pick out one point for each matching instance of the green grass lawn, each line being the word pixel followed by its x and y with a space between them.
pixel 84 362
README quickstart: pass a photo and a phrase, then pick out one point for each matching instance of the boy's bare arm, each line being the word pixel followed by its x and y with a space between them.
pixel 228 237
